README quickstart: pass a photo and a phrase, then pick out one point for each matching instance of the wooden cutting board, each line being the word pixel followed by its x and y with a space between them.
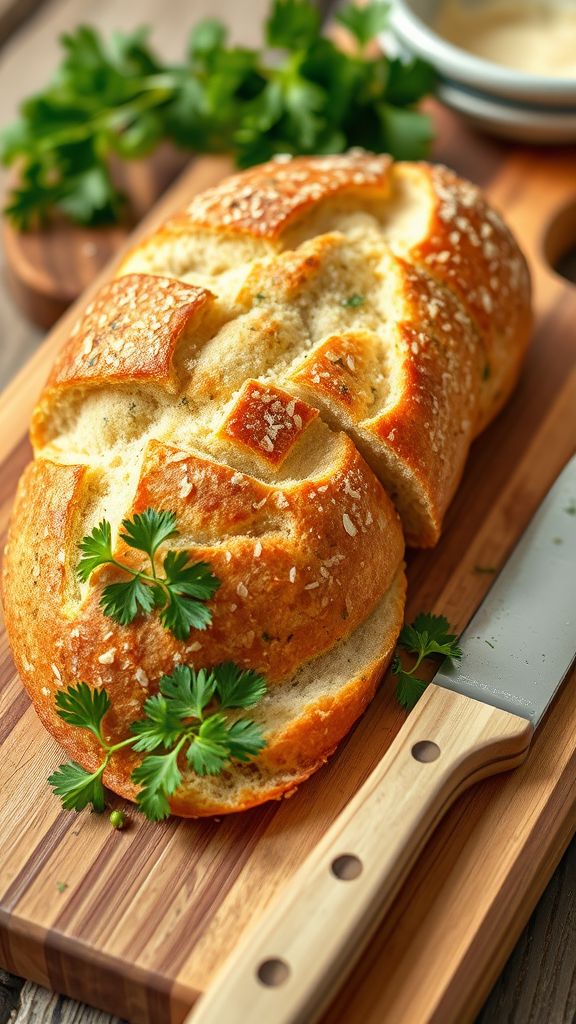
pixel 136 922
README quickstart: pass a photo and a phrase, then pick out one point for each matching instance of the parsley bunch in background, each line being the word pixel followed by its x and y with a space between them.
pixel 117 97
pixel 187 720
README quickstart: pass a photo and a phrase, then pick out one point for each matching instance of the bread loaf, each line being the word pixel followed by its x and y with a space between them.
pixel 295 365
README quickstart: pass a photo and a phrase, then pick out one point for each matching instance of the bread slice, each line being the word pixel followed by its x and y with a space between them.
pixel 303 719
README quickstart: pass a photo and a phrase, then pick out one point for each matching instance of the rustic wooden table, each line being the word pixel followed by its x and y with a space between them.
pixel 538 984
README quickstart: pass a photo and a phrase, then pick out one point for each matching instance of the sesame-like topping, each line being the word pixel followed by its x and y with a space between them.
pixel 141 677
pixel 349 525
pixel 108 657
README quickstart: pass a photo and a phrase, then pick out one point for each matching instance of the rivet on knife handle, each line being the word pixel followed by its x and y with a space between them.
pixel 288 966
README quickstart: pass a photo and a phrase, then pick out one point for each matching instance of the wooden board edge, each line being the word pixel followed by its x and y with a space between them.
pixel 104 982
pixel 69 968
pixel 479 969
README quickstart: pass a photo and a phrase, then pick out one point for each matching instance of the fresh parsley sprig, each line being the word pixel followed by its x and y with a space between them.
pixel 118 98
pixel 186 718
pixel 427 635
pixel 178 595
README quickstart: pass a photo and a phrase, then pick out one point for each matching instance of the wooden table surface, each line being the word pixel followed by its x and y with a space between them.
pixel 538 984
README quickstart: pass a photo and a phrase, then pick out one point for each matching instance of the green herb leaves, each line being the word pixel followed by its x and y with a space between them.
pixel 427 635
pixel 77 788
pixel 96 550
pixel 292 25
pixel 188 716
pixel 83 707
pixel 117 97
pixel 353 301
pixel 364 23
pixel 148 530
pixel 178 595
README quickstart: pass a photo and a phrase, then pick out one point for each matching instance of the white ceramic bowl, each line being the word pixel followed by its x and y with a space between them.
pixel 515 104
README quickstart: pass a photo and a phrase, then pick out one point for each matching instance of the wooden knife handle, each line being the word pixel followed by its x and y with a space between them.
pixel 286 968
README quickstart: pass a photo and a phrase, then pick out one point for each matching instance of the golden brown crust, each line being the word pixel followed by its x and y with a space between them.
pixel 129 332
pixel 265 201
pixel 300 568
pixel 467 247
pixel 316 296
pixel 267 421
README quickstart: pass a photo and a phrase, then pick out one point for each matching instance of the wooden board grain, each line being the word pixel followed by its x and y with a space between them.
pixel 136 922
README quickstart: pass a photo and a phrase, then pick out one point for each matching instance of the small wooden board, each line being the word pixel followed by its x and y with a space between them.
pixel 136 922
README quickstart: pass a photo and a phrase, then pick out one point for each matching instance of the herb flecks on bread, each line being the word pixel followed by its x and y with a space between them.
pixel 295 366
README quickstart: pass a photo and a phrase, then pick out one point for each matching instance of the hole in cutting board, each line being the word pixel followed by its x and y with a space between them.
pixel 560 242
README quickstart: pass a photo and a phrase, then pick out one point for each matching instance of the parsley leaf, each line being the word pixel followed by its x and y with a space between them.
pixel 238 687
pixel 160 728
pixel 209 750
pixel 123 601
pixel 409 688
pixel 116 97
pixel 96 550
pixel 427 635
pixel 408 132
pixel 364 22
pixel 78 788
pixel 178 595
pixel 181 615
pixel 188 691
pixel 194 580
pixel 159 777
pixel 245 740
pixel 292 24
pixel 83 707
pixel 147 530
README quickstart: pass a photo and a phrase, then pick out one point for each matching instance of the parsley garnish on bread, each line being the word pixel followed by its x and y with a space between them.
pixel 188 718
pixel 178 595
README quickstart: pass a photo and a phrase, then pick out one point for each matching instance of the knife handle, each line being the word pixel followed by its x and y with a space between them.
pixel 285 970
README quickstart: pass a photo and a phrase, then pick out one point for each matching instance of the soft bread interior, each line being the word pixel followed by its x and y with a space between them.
pixel 305 718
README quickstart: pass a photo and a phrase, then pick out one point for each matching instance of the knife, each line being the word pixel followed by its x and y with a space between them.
pixel 476 719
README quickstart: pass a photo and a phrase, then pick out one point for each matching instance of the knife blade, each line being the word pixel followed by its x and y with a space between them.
pixel 520 644
pixel 476 719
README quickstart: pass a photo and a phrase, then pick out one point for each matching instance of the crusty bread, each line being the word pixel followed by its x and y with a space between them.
pixel 297 325
pixel 416 370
